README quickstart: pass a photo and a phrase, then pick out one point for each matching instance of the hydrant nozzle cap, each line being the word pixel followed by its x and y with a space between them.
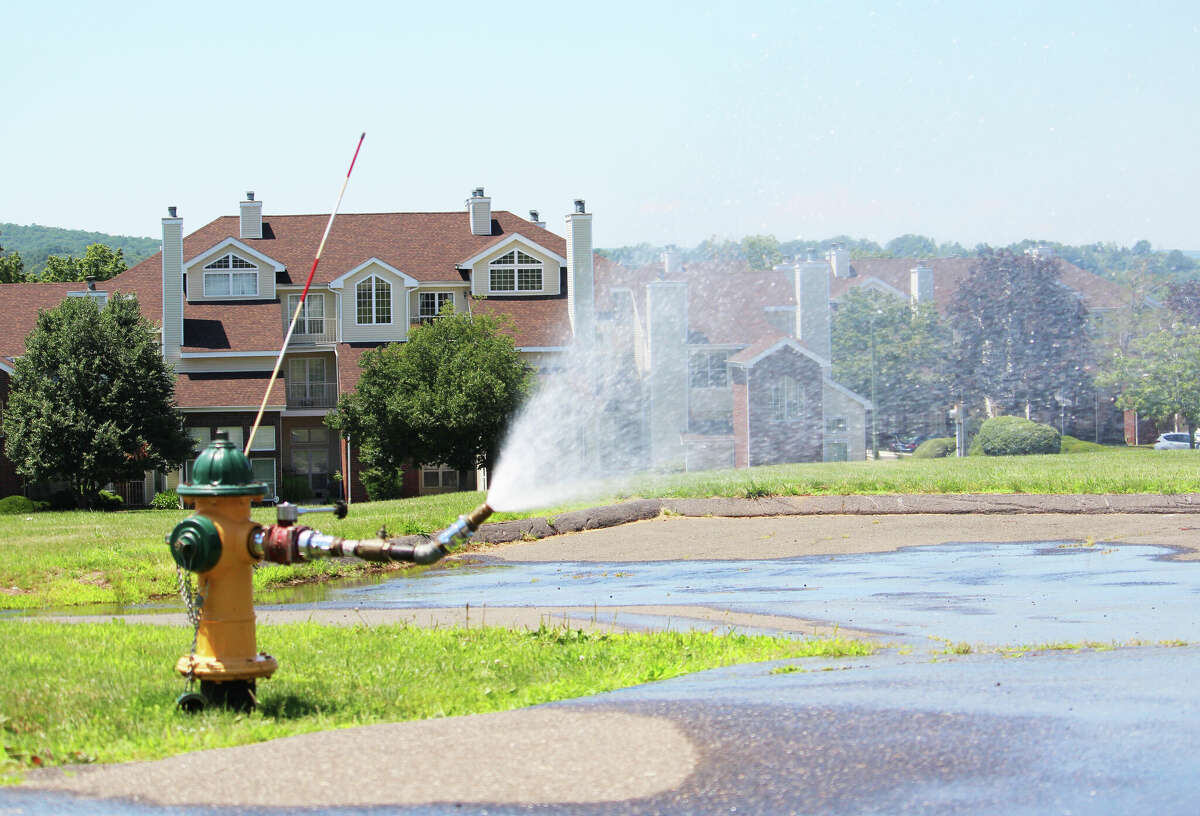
pixel 222 470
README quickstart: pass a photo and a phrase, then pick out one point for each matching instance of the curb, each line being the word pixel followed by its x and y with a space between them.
pixel 612 515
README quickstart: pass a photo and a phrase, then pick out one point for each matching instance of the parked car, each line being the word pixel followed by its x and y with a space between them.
pixel 906 444
pixel 1173 441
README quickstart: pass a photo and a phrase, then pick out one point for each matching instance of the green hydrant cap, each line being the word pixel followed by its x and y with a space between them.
pixel 222 470
pixel 195 544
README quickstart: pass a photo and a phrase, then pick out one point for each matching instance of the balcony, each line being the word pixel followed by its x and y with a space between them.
pixel 421 319
pixel 313 330
pixel 311 395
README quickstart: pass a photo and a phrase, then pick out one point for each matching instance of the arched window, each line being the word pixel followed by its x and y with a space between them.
pixel 515 271
pixel 373 299
pixel 230 276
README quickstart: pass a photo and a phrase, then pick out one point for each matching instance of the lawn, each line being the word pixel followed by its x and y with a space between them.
pixel 105 692
pixel 119 559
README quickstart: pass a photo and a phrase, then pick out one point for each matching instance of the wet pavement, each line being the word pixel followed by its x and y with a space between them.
pixel 914 729
pixel 998 594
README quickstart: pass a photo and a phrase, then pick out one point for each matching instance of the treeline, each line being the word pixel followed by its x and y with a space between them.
pixel 1108 260
pixel 35 244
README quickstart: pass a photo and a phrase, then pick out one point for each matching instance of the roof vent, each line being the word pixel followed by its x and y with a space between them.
pixel 579 206
pixel 249 195
pixel 477 192
pixel 533 215
pixel 171 212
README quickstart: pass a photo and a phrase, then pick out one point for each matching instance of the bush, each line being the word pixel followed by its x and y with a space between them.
pixel 107 500
pixel 935 448
pixel 1072 445
pixel 20 504
pixel 63 500
pixel 295 489
pixel 1014 436
pixel 166 500
pixel 382 484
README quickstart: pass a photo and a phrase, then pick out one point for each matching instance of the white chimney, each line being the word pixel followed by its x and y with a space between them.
pixel 251 221
pixel 480 208
pixel 839 261
pixel 172 285
pixel 535 220
pixel 667 381
pixel 580 274
pixel 812 305
pixel 920 284
pixel 671 265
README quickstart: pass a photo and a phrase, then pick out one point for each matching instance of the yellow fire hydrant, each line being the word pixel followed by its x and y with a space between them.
pixel 212 543
pixel 221 544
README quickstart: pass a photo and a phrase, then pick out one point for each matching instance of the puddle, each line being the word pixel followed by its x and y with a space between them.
pixel 1009 593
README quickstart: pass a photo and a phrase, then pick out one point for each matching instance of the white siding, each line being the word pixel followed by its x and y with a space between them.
pixel 395 331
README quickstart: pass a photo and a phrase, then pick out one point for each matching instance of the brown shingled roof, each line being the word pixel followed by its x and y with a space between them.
pixel 531 322
pixel 228 389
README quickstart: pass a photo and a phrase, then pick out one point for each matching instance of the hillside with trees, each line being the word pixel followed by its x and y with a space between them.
pixel 35 244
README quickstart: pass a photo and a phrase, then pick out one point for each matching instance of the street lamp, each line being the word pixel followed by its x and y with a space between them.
pixel 1063 404
pixel 874 402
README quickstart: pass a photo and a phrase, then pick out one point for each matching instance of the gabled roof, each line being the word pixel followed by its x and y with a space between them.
pixel 340 281
pixel 428 246
pixel 754 354
pixel 234 243
pixel 515 238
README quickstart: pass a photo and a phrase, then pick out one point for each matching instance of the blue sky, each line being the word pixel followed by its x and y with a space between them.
pixel 965 121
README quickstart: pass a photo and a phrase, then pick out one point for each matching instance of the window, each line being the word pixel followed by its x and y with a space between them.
pixel 707 369
pixel 310 436
pixel 430 303
pixel 835 425
pixel 235 434
pixel 312 314
pixel 310 456
pixel 264 438
pixel 307 386
pixel 434 478
pixel 201 437
pixel 264 471
pixel 515 271
pixel 373 298
pixel 230 276
pixel 787 400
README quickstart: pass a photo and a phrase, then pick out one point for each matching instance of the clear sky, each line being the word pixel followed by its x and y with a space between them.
pixel 967 121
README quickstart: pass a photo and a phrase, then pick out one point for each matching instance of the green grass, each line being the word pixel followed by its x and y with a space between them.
pixel 105 692
pixel 78 558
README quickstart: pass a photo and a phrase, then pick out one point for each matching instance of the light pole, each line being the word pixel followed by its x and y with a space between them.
pixel 874 402
pixel 1063 404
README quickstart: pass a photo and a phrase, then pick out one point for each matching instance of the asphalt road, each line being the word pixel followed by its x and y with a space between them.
pixel 909 730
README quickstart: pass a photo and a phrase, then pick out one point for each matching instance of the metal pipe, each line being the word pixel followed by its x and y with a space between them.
pixel 289 544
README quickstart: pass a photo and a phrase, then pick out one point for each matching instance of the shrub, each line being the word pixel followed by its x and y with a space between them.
pixel 19 504
pixel 1072 445
pixel 63 500
pixel 295 489
pixel 1014 436
pixel 382 484
pixel 935 448
pixel 107 500
pixel 166 500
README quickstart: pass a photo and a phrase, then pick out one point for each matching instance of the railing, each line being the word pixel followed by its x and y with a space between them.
pixel 311 395
pixel 418 320
pixel 311 330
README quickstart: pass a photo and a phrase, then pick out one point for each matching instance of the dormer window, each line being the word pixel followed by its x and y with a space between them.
pixel 515 272
pixel 230 276
pixel 373 299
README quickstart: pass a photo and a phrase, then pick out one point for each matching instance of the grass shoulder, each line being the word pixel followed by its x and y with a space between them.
pixel 105 692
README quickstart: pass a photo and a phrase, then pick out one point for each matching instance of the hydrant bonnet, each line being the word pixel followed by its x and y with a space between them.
pixel 222 470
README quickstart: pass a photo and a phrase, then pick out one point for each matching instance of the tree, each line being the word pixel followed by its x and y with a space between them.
pixel 912 246
pixel 443 397
pixel 909 361
pixel 99 261
pixel 1159 375
pixel 761 251
pixel 12 268
pixel 1021 336
pixel 92 400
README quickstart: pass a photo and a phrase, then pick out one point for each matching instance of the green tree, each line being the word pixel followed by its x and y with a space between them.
pixel 761 251
pixel 912 246
pixel 911 346
pixel 12 268
pixel 92 400
pixel 99 260
pixel 1021 336
pixel 443 397
pixel 1158 375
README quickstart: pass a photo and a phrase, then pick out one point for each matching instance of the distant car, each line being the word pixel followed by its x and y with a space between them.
pixel 1172 441
pixel 907 444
